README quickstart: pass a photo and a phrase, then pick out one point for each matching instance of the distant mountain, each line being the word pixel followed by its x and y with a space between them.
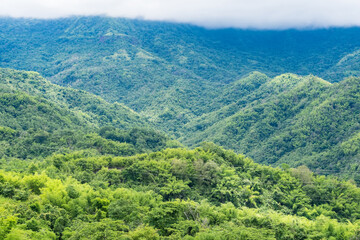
pixel 345 67
pixel 197 84
pixel 167 72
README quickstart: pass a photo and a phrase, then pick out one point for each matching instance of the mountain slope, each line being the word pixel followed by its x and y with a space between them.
pixel 38 118
pixel 95 109
pixel 289 119
pixel 74 166
pixel 169 73
pixel 345 67
pixel 193 83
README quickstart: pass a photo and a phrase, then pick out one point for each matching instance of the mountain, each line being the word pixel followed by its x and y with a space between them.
pixel 166 72
pixel 74 166
pixel 76 162
pixel 90 107
pixel 287 119
pixel 38 118
pixel 345 67
pixel 199 84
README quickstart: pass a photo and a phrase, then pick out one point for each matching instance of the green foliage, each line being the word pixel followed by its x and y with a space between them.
pixel 74 166
pixel 200 87
pixel 170 73
pixel 281 204
pixel 289 119
pixel 38 118
pixel 205 193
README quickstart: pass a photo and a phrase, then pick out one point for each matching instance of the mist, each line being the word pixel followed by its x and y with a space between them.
pixel 258 14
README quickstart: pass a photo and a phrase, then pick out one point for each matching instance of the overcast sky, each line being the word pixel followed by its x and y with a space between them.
pixel 209 13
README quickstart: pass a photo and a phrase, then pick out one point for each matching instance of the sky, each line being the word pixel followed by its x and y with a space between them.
pixel 258 14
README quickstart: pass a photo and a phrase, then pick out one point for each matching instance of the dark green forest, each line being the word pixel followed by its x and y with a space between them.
pixel 128 129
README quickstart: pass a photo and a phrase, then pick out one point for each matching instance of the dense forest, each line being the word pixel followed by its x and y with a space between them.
pixel 128 129
pixel 164 71
pixel 70 170
pixel 196 84
pixel 38 118
pixel 287 119
pixel 205 193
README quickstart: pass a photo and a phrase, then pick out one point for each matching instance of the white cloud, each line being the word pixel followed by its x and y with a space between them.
pixel 209 13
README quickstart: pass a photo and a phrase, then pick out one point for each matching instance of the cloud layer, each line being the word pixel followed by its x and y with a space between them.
pixel 263 14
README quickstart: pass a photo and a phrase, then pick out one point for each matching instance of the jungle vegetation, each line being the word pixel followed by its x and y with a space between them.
pixel 128 129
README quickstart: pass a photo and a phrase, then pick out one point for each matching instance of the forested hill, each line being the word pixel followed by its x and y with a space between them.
pixel 205 193
pixel 197 84
pixel 92 108
pixel 167 71
pixel 286 119
pixel 38 118
pixel 77 163
pixel 70 170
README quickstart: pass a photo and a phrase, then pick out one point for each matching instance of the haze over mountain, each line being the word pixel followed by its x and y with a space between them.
pixel 259 14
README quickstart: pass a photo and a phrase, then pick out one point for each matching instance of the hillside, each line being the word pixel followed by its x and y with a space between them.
pixel 205 193
pixel 125 129
pixel 74 166
pixel 287 119
pixel 197 84
pixel 93 108
pixel 164 71
pixel 38 118
pixel 347 66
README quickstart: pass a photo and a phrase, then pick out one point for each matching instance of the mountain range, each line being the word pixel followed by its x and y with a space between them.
pixel 229 86
pixel 115 128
